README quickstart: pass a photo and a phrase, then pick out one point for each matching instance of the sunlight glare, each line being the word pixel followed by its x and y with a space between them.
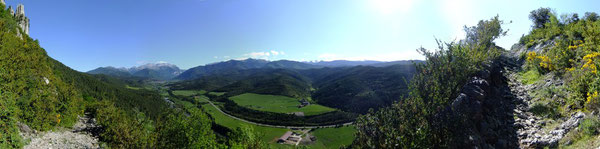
pixel 391 6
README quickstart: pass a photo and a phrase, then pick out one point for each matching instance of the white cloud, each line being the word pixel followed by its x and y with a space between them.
pixel 262 55
pixel 215 57
pixel 274 53
pixel 257 54
pixel 161 62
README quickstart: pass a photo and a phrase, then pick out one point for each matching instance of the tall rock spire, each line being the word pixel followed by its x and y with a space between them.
pixel 22 20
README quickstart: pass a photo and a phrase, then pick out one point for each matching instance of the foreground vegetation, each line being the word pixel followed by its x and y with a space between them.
pixel 416 122
pixel 570 51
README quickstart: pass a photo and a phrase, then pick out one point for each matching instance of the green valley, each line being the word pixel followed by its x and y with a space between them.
pixel 279 104
pixel 299 74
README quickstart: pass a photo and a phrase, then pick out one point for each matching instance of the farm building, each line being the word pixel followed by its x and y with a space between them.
pixel 284 137
pixel 303 103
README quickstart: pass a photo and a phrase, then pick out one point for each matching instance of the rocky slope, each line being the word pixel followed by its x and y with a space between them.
pixel 500 110
pixel 82 135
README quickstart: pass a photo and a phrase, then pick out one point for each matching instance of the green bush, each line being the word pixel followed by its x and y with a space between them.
pixel 176 130
pixel 590 126
pixel 9 134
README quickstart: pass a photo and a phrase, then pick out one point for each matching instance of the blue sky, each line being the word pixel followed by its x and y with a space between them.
pixel 85 34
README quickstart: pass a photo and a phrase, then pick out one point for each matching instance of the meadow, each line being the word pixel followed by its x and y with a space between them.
pixel 333 137
pixel 278 104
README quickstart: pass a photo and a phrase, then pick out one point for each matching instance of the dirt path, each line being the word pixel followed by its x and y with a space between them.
pixel 531 129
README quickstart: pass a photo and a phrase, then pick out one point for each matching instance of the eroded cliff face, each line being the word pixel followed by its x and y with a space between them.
pixel 19 15
pixel 22 20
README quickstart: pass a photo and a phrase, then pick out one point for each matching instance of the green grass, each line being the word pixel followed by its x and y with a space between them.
pixel 530 76
pixel 217 93
pixel 278 104
pixel 188 92
pixel 326 137
pixel 131 87
pixel 270 133
pixel 333 137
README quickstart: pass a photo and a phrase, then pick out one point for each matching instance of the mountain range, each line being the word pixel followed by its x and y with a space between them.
pixel 237 65
pixel 166 71
pixel 157 71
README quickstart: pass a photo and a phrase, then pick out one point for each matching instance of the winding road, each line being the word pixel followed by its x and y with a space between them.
pixel 276 126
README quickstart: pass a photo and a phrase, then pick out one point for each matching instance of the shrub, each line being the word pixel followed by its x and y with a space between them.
pixel 9 133
pixel 589 126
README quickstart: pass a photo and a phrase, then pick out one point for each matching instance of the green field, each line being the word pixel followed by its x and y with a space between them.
pixel 278 104
pixel 131 87
pixel 188 92
pixel 333 137
pixel 216 93
pixel 270 133
pixel 326 137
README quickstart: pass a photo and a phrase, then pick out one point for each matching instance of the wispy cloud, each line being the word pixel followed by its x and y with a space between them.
pixel 262 55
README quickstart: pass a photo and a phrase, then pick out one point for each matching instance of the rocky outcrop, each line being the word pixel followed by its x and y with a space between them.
pixel 19 15
pixel 518 49
pixel 486 105
pixel 22 20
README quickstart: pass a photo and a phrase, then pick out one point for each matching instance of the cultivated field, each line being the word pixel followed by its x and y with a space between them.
pixel 279 104
pixel 270 133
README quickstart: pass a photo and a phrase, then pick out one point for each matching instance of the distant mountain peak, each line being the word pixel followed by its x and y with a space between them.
pixel 159 70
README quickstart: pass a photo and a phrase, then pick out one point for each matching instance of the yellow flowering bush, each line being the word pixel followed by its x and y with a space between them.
pixel 531 56
pixel 592 103
pixel 540 61
pixel 589 62
pixel 546 63
pixel 58 118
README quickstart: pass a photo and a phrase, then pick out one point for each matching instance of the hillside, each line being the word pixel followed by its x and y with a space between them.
pixel 112 71
pixel 360 88
pixel 352 89
pixel 274 82
pixel 41 93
